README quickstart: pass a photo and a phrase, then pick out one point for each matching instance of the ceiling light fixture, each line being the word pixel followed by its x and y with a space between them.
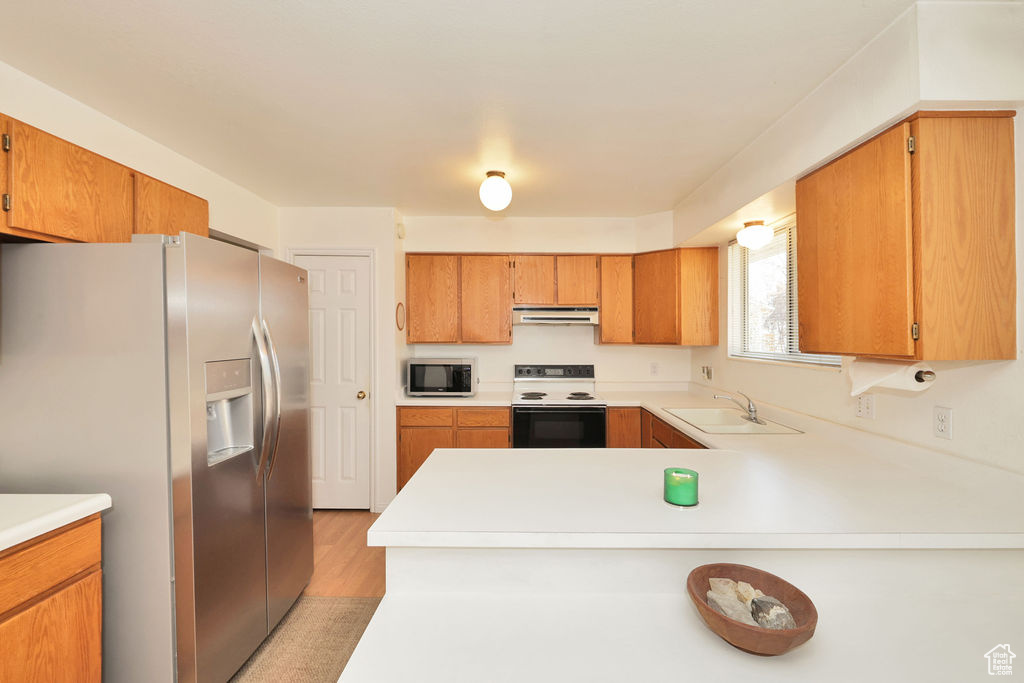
pixel 754 235
pixel 495 192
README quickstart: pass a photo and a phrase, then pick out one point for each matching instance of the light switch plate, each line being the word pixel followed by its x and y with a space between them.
pixel 942 422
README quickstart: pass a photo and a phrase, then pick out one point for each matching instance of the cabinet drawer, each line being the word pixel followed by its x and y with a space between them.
pixel 426 417
pixel 680 440
pixel 36 566
pixel 662 432
pixel 483 417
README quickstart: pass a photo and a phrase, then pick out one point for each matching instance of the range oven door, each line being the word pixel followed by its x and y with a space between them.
pixel 558 427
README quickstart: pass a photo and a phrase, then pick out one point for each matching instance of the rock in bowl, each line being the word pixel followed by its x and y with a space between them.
pixel 754 639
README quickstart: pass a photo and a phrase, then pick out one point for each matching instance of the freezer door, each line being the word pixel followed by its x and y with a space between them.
pixel 218 300
pixel 284 304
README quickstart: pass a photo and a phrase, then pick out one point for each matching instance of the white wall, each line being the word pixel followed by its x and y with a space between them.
pixel 536 344
pixel 875 87
pixel 486 233
pixel 233 209
pixel 372 229
pixel 971 55
pixel 654 231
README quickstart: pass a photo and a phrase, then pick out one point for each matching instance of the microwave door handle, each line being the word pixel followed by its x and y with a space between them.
pixel 268 396
pixel 276 366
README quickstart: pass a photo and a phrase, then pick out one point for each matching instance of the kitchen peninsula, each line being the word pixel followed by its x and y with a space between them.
pixel 508 565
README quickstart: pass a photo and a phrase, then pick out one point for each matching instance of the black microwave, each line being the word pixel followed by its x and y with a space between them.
pixel 441 377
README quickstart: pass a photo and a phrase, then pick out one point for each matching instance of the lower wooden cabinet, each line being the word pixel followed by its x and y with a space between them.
pixel 421 430
pixel 51 607
pixel 623 427
pixel 656 433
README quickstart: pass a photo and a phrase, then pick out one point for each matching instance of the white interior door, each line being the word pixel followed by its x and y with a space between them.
pixel 340 337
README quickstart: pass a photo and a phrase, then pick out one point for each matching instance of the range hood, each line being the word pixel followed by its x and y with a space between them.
pixel 554 315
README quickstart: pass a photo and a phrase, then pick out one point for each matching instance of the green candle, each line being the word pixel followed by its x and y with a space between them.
pixel 680 486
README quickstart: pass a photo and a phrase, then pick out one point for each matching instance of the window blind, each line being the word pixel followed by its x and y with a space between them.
pixel 764 314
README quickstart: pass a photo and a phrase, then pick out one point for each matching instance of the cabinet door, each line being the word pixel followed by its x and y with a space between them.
pixel 698 294
pixel 534 279
pixel 854 251
pixel 415 444
pixel 64 191
pixel 58 639
pixel 432 298
pixel 486 289
pixel 623 428
pixel 616 300
pixel 680 440
pixel 964 236
pixel 646 422
pixel 163 209
pixel 656 292
pixel 483 438
pixel 577 277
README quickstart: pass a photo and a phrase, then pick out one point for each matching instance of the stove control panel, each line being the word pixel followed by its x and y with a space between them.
pixel 555 371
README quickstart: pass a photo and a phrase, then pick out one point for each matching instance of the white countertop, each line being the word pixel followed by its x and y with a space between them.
pixel 23 516
pixel 482 398
pixel 831 487
pixel 465 638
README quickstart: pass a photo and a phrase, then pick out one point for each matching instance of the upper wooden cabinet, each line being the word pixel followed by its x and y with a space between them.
pixel 432 298
pixel 907 251
pixel 534 276
pixel 452 298
pixel 57 190
pixel 486 294
pixel 577 279
pixel 676 297
pixel 616 320
pixel 165 210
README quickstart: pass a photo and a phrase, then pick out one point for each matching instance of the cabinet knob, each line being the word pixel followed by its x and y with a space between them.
pixel 361 395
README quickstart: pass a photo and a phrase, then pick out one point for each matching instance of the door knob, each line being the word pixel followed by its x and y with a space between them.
pixel 361 395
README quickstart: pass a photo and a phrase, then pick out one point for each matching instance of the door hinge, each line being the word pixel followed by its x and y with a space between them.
pixel 912 144
pixel 915 331
pixel 7 202
pixel 6 142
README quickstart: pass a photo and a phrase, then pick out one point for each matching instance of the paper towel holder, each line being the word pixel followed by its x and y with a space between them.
pixel 924 376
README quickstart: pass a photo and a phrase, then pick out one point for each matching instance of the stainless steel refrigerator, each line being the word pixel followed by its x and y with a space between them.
pixel 173 374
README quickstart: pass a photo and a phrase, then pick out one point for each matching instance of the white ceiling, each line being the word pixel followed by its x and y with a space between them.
pixel 593 107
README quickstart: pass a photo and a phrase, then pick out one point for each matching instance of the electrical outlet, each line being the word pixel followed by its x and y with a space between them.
pixel 942 423
pixel 866 406
pixel 654 369
pixel 705 372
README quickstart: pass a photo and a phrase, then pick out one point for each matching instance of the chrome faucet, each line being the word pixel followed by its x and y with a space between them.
pixel 750 407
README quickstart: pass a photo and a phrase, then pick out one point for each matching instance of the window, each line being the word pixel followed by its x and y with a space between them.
pixel 763 312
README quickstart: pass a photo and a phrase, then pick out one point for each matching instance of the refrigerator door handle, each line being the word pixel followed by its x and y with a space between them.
pixel 276 365
pixel 268 395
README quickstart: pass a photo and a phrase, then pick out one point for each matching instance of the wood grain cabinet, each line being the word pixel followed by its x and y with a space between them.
pixel 577 278
pixel 616 320
pixel 656 433
pixel 422 430
pixel 51 607
pixel 676 297
pixel 905 245
pixel 58 191
pixel 622 428
pixel 432 298
pixel 163 209
pixel 486 299
pixel 534 279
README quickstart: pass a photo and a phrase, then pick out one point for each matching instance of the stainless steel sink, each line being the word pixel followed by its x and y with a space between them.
pixel 728 421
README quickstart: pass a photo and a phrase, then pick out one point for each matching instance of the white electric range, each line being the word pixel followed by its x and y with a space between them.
pixel 555 406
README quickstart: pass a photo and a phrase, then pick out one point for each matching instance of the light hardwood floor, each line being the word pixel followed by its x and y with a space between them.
pixel 343 565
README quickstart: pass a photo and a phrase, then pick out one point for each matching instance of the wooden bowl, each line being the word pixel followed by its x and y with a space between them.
pixel 754 639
